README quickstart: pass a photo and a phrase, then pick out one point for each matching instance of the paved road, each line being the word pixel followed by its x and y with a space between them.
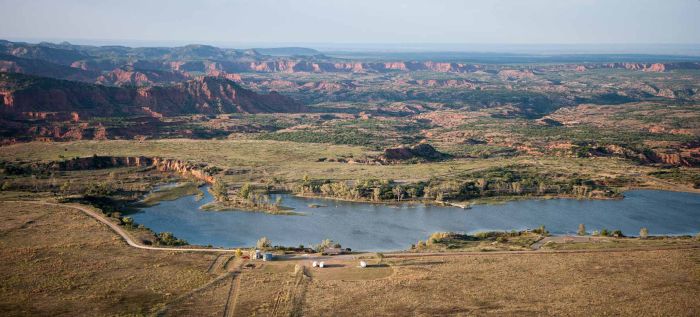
pixel 116 228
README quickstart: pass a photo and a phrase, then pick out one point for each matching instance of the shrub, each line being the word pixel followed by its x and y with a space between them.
pixel 326 243
pixel 167 238
pixel 128 221
pixel 99 189
pixel 437 237
pixel 239 253
pixel 643 233
pixel 245 191
pixel 263 243
pixel 482 235
pixel 541 230
pixel 219 190
pixel 604 232
pixel 581 230
pixel 421 244
pixel 65 188
pixel 617 233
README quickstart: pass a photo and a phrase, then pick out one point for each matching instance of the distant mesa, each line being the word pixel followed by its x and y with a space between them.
pixel 204 95
pixel 288 51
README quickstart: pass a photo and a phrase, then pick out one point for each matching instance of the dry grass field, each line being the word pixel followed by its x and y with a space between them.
pixel 257 160
pixel 658 283
pixel 58 261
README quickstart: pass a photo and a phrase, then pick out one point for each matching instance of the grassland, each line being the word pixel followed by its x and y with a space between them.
pixel 59 261
pixel 623 284
pixel 598 243
pixel 261 161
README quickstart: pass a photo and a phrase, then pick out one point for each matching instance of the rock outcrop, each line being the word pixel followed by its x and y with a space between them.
pixel 205 95
pixel 513 74
pixel 421 152
pixel 184 168
pixel 131 77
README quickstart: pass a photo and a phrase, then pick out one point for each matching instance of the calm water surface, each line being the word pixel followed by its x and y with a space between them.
pixel 370 227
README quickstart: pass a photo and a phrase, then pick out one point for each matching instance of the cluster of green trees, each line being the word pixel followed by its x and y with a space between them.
pixel 336 136
pixel 454 240
pixel 98 189
pixel 167 238
pixel 489 183
pixel 39 170
pixel 245 197
pixel 372 189
pixel 607 233
pixel 643 232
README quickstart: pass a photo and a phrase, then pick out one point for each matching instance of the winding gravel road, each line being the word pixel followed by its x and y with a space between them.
pixel 120 231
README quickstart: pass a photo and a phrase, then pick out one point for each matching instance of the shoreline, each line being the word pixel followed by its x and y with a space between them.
pixel 129 239
pixel 507 199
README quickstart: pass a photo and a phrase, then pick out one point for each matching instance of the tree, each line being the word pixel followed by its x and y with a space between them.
pixel 541 230
pixel 376 194
pixel 245 191
pixel 99 189
pixel 398 192
pixel 326 243
pixel 263 243
pixel 219 190
pixel 167 238
pixel 643 233
pixel 326 190
pixel 128 221
pixel 65 188
pixel 581 230
pixel 412 192
pixel 439 197
pixel 380 257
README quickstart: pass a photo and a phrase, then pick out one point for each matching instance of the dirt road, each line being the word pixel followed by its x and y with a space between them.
pixel 120 231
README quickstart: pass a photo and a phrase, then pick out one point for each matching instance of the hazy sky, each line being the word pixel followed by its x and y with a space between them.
pixel 354 21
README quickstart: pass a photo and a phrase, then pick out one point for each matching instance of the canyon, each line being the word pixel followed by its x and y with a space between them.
pixel 26 95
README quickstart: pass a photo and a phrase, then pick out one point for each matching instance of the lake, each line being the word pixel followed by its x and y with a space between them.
pixel 375 227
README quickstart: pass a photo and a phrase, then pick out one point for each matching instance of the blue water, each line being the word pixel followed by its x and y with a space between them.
pixel 372 227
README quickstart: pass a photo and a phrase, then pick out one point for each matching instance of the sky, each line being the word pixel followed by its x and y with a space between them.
pixel 280 22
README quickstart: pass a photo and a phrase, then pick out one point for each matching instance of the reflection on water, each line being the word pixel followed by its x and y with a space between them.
pixel 372 227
